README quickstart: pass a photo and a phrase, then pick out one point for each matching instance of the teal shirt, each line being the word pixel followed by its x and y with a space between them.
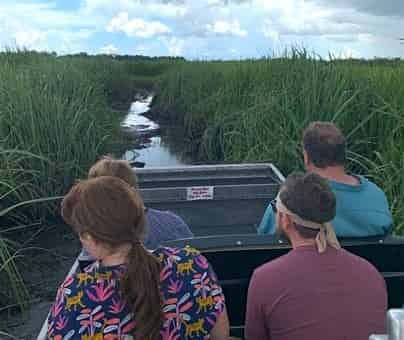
pixel 362 210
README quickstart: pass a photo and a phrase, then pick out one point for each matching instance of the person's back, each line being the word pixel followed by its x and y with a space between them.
pixel 164 226
pixel 91 301
pixel 336 295
pixel 362 210
pixel 362 207
pixel 130 292
pixel 318 290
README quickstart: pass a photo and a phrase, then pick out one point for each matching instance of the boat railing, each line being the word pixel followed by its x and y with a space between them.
pixel 394 326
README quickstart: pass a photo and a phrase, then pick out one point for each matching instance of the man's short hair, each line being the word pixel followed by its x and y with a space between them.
pixel 309 196
pixel 325 144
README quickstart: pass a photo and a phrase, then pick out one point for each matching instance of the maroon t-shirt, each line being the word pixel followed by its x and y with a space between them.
pixel 306 295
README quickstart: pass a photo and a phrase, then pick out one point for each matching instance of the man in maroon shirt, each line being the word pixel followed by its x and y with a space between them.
pixel 317 291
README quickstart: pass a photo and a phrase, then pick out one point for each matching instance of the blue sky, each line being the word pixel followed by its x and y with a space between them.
pixel 205 29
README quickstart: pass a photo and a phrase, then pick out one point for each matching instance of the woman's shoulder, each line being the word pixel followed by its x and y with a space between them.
pixel 185 251
pixel 180 255
pixel 183 264
pixel 81 282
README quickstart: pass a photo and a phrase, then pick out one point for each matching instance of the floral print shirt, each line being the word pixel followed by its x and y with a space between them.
pixel 88 305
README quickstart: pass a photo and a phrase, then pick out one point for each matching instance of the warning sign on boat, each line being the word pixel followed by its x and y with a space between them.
pixel 200 193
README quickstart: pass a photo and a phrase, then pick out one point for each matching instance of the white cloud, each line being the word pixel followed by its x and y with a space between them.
pixel 214 2
pixel 42 26
pixel 299 18
pixel 166 9
pixel 31 39
pixel 269 30
pixel 13 33
pixel 174 45
pixel 109 49
pixel 70 41
pixel 191 27
pixel 376 7
pixel 222 27
pixel 43 15
pixel 142 49
pixel 136 27
pixel 366 38
pixel 346 53
pixel 144 7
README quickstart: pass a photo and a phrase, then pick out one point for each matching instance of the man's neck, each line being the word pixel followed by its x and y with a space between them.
pixel 335 173
pixel 298 242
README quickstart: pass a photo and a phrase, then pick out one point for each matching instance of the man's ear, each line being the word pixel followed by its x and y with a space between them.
pixel 283 220
pixel 287 222
pixel 306 159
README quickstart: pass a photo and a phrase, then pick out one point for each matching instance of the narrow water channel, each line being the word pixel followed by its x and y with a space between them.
pixel 155 147
pixel 149 144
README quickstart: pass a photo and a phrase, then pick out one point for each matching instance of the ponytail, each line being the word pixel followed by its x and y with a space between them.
pixel 141 289
pixel 113 213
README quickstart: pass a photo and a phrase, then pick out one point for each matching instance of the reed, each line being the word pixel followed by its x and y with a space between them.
pixel 12 288
pixel 256 110
pixel 57 110
pixel 55 121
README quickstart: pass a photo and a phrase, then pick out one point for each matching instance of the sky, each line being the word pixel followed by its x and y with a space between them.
pixel 205 29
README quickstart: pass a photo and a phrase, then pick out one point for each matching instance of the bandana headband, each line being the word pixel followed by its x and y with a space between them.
pixel 326 235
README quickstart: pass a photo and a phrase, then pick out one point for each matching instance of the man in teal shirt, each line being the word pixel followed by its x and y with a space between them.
pixel 362 207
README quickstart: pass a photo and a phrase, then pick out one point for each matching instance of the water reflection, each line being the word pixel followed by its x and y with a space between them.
pixel 151 148
pixel 135 119
pixel 156 153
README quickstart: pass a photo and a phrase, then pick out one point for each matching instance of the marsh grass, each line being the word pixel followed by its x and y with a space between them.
pixel 55 121
pixel 12 291
pixel 256 110
pixel 55 117
pixel 53 113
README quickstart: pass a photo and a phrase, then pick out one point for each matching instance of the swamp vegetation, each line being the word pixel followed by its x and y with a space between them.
pixel 59 114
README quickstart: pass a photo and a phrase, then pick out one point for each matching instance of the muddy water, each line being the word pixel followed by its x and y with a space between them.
pixel 156 145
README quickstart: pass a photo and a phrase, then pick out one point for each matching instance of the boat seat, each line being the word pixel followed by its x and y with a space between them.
pixel 235 257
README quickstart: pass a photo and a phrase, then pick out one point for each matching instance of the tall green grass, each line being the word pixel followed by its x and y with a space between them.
pixel 52 110
pixel 122 77
pixel 12 289
pixel 256 110
pixel 55 120
pixel 53 124
pixel 56 112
